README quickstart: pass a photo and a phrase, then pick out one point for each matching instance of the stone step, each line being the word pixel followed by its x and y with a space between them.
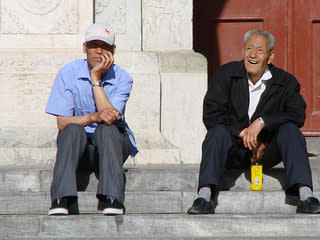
pixel 156 202
pixel 164 226
pixel 152 178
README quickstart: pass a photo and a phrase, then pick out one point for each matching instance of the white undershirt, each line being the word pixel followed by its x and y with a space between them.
pixel 256 90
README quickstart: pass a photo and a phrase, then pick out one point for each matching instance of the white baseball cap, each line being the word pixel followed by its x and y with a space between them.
pixel 100 31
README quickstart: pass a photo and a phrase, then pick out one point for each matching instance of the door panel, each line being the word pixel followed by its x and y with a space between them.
pixel 305 20
pixel 220 25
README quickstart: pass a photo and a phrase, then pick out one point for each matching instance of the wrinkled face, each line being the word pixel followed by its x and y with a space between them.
pixel 94 49
pixel 256 56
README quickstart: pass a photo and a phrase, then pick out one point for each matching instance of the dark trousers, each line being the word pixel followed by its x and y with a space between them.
pixel 220 150
pixel 78 156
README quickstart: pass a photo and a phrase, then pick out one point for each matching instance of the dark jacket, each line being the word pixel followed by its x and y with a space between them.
pixel 227 100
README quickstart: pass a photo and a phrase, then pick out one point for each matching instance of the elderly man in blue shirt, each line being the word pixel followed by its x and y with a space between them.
pixel 88 98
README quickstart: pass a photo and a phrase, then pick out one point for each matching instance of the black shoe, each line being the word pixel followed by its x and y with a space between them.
pixel 201 206
pixel 310 205
pixel 110 206
pixel 59 207
pixel 73 206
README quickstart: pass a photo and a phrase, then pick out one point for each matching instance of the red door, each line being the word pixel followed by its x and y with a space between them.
pixel 219 26
pixel 304 54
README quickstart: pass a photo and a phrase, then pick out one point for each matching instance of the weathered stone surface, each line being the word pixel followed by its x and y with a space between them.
pixel 44 24
pixel 125 17
pixel 167 24
pixel 164 226
pixel 150 178
pixel 19 180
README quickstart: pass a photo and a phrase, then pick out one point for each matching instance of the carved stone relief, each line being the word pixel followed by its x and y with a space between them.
pixel 112 12
pixel 39 17
pixel 125 18
pixel 167 24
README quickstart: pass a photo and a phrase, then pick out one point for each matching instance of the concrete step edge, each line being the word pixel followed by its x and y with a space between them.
pixel 149 179
pixel 158 202
pixel 162 226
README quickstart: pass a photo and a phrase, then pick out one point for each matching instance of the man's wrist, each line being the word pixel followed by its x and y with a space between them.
pixel 262 122
pixel 96 84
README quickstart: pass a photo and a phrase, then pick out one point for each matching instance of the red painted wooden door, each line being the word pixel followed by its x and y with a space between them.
pixel 219 26
pixel 304 54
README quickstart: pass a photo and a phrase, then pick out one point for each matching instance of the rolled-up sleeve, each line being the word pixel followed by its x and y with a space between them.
pixel 60 101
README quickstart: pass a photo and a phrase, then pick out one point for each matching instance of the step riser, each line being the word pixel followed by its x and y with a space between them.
pixel 154 202
pixel 166 226
pixel 149 180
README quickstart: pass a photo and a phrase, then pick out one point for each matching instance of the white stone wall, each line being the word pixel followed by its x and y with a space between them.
pixel 154 44
pixel 44 23
pixel 167 24
pixel 125 17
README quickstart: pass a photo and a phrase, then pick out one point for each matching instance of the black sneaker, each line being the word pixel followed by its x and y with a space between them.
pixel 59 207
pixel 201 206
pixel 310 205
pixel 110 206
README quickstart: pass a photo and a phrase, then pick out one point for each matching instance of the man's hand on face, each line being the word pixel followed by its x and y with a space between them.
pixel 250 135
pixel 107 115
pixel 105 64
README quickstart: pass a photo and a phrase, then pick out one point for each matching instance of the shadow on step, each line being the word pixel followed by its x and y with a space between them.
pixel 273 180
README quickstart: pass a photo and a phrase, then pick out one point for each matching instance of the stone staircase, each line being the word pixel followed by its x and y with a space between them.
pixel 157 198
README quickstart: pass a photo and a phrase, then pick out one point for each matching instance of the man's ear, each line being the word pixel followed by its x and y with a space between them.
pixel 271 57
pixel 84 47
pixel 114 49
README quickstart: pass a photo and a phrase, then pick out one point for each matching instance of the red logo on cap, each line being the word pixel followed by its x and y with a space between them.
pixel 107 31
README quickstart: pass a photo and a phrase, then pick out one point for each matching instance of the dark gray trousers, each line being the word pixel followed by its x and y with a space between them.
pixel 78 156
pixel 220 151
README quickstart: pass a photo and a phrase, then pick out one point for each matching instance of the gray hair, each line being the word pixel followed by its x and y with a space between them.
pixel 267 35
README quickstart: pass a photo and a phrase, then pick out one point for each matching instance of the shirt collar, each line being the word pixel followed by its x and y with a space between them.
pixel 265 77
pixel 84 71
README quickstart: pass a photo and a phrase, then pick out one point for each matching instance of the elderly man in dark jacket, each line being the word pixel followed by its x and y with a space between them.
pixel 253 109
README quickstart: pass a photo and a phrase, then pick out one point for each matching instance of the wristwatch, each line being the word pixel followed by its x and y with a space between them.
pixel 97 84
pixel 262 122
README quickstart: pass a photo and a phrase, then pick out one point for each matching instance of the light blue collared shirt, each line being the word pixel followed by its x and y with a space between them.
pixel 72 94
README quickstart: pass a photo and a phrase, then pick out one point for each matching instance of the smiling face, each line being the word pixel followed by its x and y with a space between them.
pixel 256 56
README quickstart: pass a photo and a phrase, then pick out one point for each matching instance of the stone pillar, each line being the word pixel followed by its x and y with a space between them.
pixel 165 109
pixel 167 30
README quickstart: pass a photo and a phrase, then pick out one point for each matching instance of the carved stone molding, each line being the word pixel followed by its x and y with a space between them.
pixel 125 18
pixel 113 12
pixel 40 17
pixel 167 24
pixel 39 7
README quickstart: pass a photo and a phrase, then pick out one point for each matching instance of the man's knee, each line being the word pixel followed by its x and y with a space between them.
pixel 106 133
pixel 218 134
pixel 289 130
pixel 72 130
pixel 73 127
pixel 106 130
pixel 288 133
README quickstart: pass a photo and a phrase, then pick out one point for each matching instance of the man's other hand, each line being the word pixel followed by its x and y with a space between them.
pixel 250 135
pixel 107 115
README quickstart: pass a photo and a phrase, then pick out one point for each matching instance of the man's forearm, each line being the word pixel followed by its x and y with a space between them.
pixel 85 120
pixel 101 99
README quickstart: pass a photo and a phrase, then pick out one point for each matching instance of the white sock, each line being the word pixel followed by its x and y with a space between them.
pixel 205 192
pixel 305 192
